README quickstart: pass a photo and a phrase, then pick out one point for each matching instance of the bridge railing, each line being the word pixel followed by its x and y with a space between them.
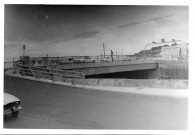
pixel 51 74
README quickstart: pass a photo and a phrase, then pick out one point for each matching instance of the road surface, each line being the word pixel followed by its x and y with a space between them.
pixel 48 106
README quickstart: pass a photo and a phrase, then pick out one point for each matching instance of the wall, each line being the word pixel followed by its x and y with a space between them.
pixel 149 83
pixel 175 52
pixel 174 69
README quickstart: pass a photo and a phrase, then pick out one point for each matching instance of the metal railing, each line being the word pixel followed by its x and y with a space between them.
pixel 51 74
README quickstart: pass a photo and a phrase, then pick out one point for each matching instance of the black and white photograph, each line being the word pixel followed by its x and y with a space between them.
pixel 96 66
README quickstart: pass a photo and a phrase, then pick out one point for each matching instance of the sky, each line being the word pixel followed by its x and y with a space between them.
pixel 69 30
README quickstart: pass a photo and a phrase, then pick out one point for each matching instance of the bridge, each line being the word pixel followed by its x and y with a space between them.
pixel 110 67
pixel 142 68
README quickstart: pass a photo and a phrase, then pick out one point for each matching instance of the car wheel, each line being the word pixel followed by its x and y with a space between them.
pixel 15 114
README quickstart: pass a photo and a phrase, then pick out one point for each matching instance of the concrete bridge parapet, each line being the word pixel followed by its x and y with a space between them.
pixel 111 67
pixel 105 64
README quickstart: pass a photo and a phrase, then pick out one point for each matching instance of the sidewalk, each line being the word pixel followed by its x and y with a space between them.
pixel 182 93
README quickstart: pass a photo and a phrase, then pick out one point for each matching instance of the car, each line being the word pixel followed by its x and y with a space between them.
pixel 62 62
pixel 83 59
pixel 88 59
pixel 104 60
pixel 126 59
pixel 68 60
pixel 11 105
pixel 79 59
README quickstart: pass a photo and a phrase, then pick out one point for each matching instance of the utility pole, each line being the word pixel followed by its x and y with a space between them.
pixel 47 61
pixel 24 61
pixel 24 47
pixel 104 50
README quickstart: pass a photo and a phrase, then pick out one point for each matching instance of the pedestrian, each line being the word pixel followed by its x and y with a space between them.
pixel 112 53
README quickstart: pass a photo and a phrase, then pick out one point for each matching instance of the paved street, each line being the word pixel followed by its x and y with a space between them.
pixel 56 107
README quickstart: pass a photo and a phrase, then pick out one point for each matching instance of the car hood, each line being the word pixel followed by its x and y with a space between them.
pixel 9 98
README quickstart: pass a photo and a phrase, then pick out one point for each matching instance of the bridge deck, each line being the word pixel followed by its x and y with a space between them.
pixel 110 67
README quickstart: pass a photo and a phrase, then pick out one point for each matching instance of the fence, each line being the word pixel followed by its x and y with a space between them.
pixel 48 73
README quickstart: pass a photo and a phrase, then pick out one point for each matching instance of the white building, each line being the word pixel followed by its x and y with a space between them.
pixel 177 51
